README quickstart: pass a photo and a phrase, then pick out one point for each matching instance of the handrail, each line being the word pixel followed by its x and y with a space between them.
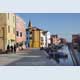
pixel 72 53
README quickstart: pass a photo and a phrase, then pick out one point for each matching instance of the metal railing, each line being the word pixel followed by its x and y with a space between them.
pixel 73 55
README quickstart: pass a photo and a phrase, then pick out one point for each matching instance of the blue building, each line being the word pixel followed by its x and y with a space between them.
pixel 28 31
pixel 27 38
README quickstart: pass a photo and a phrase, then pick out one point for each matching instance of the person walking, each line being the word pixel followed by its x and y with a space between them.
pixel 8 48
pixel 11 48
pixel 14 48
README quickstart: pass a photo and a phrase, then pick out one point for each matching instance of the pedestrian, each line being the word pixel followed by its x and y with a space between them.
pixel 11 48
pixel 14 48
pixel 8 48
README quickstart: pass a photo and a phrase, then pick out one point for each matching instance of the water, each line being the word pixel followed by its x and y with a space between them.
pixel 66 61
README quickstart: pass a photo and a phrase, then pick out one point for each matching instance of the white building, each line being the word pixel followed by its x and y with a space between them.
pixel 48 36
pixel 45 38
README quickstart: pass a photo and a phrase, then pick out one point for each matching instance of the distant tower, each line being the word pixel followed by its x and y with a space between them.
pixel 30 24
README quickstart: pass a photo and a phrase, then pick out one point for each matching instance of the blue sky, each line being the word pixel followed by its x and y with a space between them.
pixel 63 24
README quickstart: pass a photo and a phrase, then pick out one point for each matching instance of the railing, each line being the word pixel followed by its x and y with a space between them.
pixel 73 55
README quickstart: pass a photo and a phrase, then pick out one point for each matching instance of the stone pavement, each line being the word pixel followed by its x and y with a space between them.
pixel 31 57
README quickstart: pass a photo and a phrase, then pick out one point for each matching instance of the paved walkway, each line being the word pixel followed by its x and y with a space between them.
pixel 33 57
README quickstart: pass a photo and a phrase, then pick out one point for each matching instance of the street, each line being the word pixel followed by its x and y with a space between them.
pixel 34 57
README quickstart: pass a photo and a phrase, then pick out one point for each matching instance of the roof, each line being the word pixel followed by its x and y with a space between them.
pixel 54 35
pixel 37 28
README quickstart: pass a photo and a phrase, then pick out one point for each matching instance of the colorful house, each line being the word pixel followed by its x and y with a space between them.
pixel 29 34
pixel 33 36
pixel 36 42
pixel 55 39
pixel 20 32
pixel 48 36
pixel 45 38
pixel 36 37
pixel 7 30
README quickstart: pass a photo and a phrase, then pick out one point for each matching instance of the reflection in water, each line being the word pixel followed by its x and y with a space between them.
pixel 59 56
pixel 63 56
pixel 57 60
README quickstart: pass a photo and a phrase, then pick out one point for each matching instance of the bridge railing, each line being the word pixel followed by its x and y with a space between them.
pixel 75 59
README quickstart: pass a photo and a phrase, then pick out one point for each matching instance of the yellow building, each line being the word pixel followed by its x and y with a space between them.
pixel 7 29
pixel 36 37
pixel 33 36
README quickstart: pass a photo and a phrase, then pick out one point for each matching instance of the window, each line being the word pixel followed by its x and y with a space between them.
pixel 27 38
pixel 27 33
pixel 8 41
pixel 42 43
pixel 27 29
pixel 17 33
pixel 30 38
pixel 41 38
pixel 30 32
pixel 20 34
pixel 8 29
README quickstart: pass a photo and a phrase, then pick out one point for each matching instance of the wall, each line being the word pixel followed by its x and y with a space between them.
pixel 7 19
pixel 27 38
pixel 20 27
pixel 1 39
pixel 36 38
pixel 43 39
pixel 48 38
pixel 3 30
pixel 11 22
pixel 55 40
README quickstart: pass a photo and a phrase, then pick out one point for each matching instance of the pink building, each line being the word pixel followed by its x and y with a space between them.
pixel 20 32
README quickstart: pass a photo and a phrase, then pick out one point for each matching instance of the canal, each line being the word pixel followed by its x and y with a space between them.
pixel 66 61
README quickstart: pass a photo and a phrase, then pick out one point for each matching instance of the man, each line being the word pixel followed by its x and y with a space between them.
pixel 15 48
pixel 11 48
pixel 8 48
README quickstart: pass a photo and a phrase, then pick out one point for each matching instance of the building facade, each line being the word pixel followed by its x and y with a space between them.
pixel 55 39
pixel 76 41
pixel 29 35
pixel 63 41
pixel 20 32
pixel 75 38
pixel 36 37
pixel 45 38
pixel 33 36
pixel 7 29
pixel 48 36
